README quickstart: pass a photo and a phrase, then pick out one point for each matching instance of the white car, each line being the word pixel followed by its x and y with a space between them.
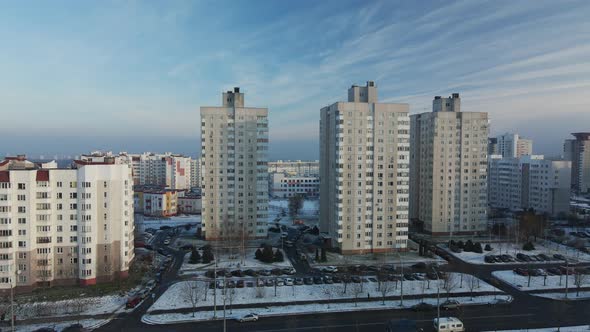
pixel 166 242
pixel 288 282
pixel 448 324
pixel 330 269
pixel 248 318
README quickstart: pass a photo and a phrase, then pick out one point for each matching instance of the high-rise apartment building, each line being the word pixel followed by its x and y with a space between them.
pixel 234 177
pixel 364 172
pixel 510 146
pixel 529 182
pixel 578 152
pixel 64 226
pixel 449 168
pixel 195 180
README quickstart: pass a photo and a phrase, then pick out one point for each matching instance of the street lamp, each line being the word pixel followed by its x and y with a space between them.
pixel 16 274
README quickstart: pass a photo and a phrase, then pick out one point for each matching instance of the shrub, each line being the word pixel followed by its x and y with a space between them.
pixel 488 247
pixel 528 246
pixel 258 254
pixel 195 256
pixel 267 255
pixel 468 246
pixel 477 248
pixel 461 245
pixel 278 256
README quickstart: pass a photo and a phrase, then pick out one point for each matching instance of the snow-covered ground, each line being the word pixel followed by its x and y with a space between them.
pixel 312 308
pixel 552 329
pixel 225 261
pixel 406 258
pixel 309 212
pixel 142 222
pixel 513 249
pixel 89 324
pixel 540 283
pixel 176 296
pixel 81 306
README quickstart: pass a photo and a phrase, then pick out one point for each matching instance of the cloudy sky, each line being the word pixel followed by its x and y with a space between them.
pixel 131 75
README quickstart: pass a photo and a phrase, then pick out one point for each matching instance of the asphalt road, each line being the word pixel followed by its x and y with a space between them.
pixel 524 312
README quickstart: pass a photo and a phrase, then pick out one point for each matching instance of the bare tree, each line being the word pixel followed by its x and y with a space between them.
pixel 328 292
pixel 78 306
pixel 260 291
pixel 472 284
pixel 385 288
pixel 192 291
pixel 357 289
pixel 231 295
pixel 449 283
pixel 345 282
pixel 579 280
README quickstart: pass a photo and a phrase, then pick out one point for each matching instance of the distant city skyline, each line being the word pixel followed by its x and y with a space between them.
pixel 131 76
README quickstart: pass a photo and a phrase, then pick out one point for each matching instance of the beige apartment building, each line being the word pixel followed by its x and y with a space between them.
pixel 64 226
pixel 449 168
pixel 234 175
pixel 578 152
pixel 364 172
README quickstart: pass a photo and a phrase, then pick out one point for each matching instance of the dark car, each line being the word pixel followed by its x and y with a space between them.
pixel 187 247
pixel 489 259
pixel 373 268
pixel 318 280
pixel 231 284
pixel 408 276
pixel 298 281
pixel 450 304
pixel 277 272
pixel 74 328
pixel 559 257
pixel 336 279
pixel 238 273
pixel 251 273
pixel 308 280
pixel 269 283
pixel 545 257
pixel 328 280
pixel 240 284
pixel 355 279
pixel 554 271
pixel 423 306
pixel 431 275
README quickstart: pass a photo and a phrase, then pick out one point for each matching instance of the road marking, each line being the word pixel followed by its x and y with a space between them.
pixel 303 328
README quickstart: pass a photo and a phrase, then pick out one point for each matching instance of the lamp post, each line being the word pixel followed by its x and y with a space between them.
pixel 12 287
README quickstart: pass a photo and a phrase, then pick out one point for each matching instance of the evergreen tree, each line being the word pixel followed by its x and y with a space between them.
pixel 267 254
pixel 208 255
pixel 195 257
pixel 258 254
pixel 278 256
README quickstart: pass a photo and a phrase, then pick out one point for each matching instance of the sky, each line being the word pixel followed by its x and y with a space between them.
pixel 78 76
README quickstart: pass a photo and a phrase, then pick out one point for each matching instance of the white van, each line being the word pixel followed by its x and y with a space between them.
pixel 448 324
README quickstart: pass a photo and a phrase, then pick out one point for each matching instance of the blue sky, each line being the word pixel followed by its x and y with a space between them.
pixel 79 76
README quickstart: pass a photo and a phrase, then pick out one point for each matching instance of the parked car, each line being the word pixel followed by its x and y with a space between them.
pixel 336 279
pixel 355 279
pixel 288 271
pixel 448 324
pixel 166 242
pixel 298 281
pixel 328 280
pixel 330 269
pixel 260 282
pixel 132 302
pixel 308 280
pixel 251 273
pixel 248 318
pixel 240 284
pixel 450 304
pixel 265 273
pixel 280 282
pixel 289 282
pixel 318 280
pixel 269 283
pixel 554 271
pixel 408 276
pixel 559 257
pixel 277 272
pixel 489 259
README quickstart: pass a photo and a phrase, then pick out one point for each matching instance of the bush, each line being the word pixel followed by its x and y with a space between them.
pixel 477 248
pixel 460 245
pixel 488 247
pixel 468 246
pixel 267 256
pixel 528 246
pixel 258 254
pixel 208 255
pixel 195 257
pixel 278 256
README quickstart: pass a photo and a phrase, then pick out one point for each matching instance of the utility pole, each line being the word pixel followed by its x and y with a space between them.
pixel 401 304
pixel 567 273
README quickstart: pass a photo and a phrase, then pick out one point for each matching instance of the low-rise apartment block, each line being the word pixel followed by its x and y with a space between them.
pixel 285 186
pixel 64 226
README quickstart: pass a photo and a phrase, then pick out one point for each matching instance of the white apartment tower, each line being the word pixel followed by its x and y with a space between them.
pixel 64 226
pixel 234 174
pixel 578 151
pixel 364 172
pixel 513 146
pixel 529 182
pixel 449 168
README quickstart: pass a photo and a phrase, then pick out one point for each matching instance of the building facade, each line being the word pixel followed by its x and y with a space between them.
pixel 156 202
pixel 189 203
pixel 510 146
pixel 449 168
pixel 364 172
pixel 195 181
pixel 64 226
pixel 529 182
pixel 165 170
pixel 285 186
pixel 234 177
pixel 297 167
pixel 578 152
